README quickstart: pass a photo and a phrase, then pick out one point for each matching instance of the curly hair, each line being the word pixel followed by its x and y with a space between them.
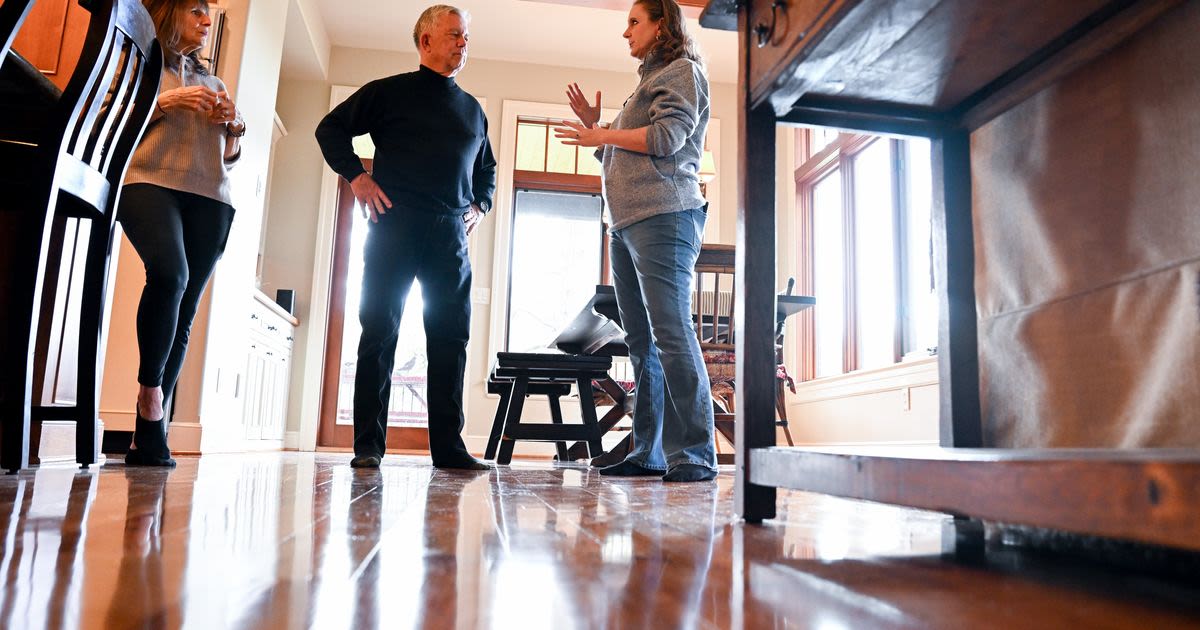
pixel 675 41
pixel 165 14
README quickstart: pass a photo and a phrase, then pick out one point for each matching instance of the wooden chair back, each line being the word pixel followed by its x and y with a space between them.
pixel 104 111
pixel 712 297
pixel 72 172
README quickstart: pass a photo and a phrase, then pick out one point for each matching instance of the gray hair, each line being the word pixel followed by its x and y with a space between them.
pixel 430 16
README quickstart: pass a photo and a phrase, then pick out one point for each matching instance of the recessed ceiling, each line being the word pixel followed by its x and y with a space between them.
pixel 518 30
pixel 691 8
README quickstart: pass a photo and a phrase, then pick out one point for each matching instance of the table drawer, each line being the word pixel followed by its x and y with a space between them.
pixel 785 29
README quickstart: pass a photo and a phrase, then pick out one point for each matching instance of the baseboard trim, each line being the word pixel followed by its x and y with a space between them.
pixel 56 444
pixel 900 443
pixel 184 437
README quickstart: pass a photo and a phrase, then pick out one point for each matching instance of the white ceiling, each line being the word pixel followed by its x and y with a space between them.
pixel 516 30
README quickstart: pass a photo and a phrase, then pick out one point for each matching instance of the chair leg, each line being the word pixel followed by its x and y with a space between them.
pixel 616 455
pixel 588 409
pixel 516 403
pixel 91 356
pixel 781 409
pixel 610 419
pixel 15 412
pixel 557 418
pixel 19 295
pixel 498 422
pixel 787 435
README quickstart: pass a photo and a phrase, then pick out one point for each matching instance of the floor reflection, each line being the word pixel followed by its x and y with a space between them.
pixel 141 559
pixel 303 541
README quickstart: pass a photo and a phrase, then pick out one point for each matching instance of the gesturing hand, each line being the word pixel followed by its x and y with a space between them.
pixel 193 98
pixel 371 196
pixel 575 134
pixel 588 114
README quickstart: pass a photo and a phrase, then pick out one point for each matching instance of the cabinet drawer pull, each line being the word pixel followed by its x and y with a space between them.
pixel 766 33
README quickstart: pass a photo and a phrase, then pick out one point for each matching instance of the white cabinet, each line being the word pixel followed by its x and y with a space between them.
pixel 268 368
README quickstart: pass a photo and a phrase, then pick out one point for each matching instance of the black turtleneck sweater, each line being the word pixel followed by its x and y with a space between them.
pixel 431 146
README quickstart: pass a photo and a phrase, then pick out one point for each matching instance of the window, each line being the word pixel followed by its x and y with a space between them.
pixel 865 251
pixel 539 152
pixel 559 243
pixel 556 264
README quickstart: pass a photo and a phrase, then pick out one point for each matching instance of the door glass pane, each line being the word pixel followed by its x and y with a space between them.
pixel 920 333
pixel 829 274
pixel 561 158
pixel 531 147
pixel 555 267
pixel 407 405
pixel 588 164
pixel 875 267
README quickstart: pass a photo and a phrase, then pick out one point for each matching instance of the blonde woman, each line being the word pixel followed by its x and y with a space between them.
pixel 175 210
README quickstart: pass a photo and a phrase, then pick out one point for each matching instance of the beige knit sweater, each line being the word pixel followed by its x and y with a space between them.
pixel 183 150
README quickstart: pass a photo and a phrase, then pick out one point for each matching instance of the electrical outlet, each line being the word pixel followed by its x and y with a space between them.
pixel 906 399
pixel 481 296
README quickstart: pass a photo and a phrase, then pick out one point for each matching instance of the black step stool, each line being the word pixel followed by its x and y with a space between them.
pixel 518 374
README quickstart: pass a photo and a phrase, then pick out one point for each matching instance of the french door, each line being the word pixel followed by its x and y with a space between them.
pixel 407 410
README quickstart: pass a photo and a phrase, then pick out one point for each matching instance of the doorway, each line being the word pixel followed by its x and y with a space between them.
pixel 407 409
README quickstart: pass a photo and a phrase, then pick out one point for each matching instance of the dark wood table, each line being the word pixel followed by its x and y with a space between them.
pixel 938 69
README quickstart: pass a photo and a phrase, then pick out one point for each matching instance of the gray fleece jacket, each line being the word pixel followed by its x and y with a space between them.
pixel 672 100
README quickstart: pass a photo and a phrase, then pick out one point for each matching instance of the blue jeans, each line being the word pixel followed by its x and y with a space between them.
pixel 652 266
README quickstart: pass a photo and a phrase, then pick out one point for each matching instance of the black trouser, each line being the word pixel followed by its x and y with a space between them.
pixel 179 236
pixel 406 245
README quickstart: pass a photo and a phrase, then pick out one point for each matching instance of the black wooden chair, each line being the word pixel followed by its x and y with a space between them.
pixel 70 170
pixel 713 317
pixel 12 14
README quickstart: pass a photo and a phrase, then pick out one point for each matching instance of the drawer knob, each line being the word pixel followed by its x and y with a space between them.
pixel 766 33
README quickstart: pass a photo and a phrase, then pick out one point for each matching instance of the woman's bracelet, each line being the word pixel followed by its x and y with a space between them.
pixel 235 134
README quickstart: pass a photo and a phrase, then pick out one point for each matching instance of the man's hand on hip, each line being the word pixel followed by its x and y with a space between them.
pixel 472 218
pixel 371 196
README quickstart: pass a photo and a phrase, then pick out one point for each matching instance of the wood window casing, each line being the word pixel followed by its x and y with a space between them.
pixel 839 156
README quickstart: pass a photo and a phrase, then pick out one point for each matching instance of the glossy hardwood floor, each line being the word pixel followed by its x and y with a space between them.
pixel 300 540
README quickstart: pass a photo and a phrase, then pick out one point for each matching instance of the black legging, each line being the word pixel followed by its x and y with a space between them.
pixel 179 236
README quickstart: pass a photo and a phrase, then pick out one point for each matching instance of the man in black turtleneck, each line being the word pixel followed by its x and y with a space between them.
pixel 432 181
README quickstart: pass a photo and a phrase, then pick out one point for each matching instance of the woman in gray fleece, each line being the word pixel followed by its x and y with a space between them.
pixel 651 159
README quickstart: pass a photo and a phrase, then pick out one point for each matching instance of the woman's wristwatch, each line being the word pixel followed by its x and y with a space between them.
pixel 232 133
